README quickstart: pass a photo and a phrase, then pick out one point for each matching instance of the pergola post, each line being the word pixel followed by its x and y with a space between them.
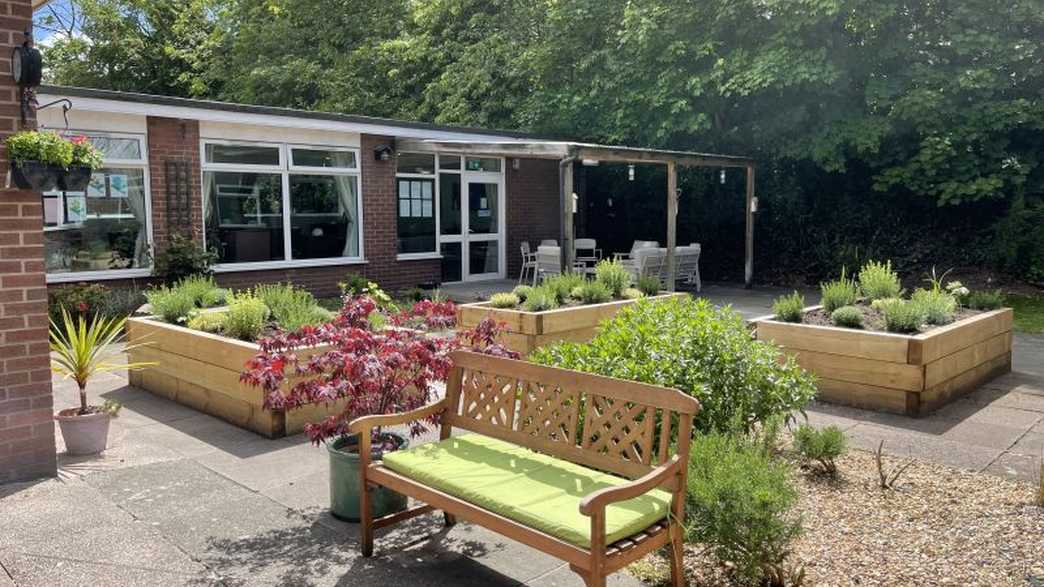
pixel 748 267
pixel 672 222
pixel 565 173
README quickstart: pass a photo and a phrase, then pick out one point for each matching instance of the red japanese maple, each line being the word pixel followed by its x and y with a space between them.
pixel 385 371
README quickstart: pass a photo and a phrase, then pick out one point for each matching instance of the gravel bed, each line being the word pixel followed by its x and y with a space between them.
pixel 942 526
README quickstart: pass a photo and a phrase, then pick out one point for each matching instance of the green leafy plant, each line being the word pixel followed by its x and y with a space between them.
pixel 937 306
pixel 703 350
pixel 540 299
pixel 631 293
pixel 183 257
pixel 614 276
pixel 822 447
pixel 648 285
pixel 740 502
pixel 85 154
pixel 357 285
pixel 902 316
pixel 563 285
pixel 246 317
pixel 985 299
pixel 203 290
pixel 212 322
pixel 877 281
pixel 172 304
pixel 121 301
pixel 282 298
pixel 789 308
pixel 43 146
pixel 504 300
pixel 85 299
pixel 840 292
pixel 80 349
pixel 847 317
pixel 594 292
pixel 522 292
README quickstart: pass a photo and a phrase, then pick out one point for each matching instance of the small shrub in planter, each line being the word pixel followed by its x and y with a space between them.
pixel 246 317
pixel 648 285
pixel 562 286
pixel 181 258
pixel 614 275
pixel 203 290
pixel 789 308
pixel 901 316
pixel 172 304
pixel 821 447
pixel 985 300
pixel 593 292
pixel 847 317
pixel 540 299
pixel 522 292
pixel 212 322
pixel 937 306
pixel 504 300
pixel 841 292
pixel 878 281
pixel 632 293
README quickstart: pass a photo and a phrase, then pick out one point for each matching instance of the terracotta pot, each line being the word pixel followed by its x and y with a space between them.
pixel 84 435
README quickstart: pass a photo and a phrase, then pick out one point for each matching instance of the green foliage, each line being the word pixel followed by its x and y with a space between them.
pixel 878 281
pixel 203 290
pixel 613 275
pixel 183 257
pixel 691 345
pixel 902 316
pixel 632 293
pixel 44 146
pixel 121 301
pixel 212 322
pixel 648 285
pixel 504 300
pixel 840 292
pixel 522 292
pixel 740 501
pixel 172 304
pixel 81 298
pixel 847 317
pixel 937 306
pixel 985 299
pixel 822 447
pixel 789 308
pixel 540 299
pixel 357 285
pixel 246 317
pixel 594 292
pixel 562 286
pixel 291 307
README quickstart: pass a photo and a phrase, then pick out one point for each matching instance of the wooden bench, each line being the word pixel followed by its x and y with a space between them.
pixel 626 431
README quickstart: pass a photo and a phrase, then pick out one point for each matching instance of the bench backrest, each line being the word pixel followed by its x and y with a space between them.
pixel 609 424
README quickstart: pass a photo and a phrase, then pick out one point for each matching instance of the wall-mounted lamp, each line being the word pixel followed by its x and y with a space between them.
pixel 516 163
pixel 590 162
pixel 383 152
pixel 26 72
pixel 630 172
pixel 722 177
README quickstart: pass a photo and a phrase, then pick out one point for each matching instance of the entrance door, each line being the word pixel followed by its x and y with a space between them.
pixel 483 254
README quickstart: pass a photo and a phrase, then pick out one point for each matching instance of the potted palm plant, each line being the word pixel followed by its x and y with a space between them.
pixel 44 160
pixel 80 350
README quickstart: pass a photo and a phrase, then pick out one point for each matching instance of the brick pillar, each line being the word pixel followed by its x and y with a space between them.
pixel 27 448
pixel 174 144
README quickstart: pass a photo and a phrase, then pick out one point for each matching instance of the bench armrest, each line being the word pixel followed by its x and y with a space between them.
pixel 367 423
pixel 596 502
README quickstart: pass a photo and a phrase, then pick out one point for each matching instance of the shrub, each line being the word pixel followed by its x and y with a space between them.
pixel 877 281
pixel 631 293
pixel 246 317
pixel 291 307
pixel 879 305
pixel 182 258
pixel 690 344
pixel 614 276
pixel 121 302
pixel 648 285
pixel 841 292
pixel 563 285
pixel 504 300
pixel 594 292
pixel 540 299
pixel 171 304
pixel 985 300
pixel 208 321
pixel 202 289
pixel 522 292
pixel 902 316
pixel 822 447
pixel 847 317
pixel 789 308
pixel 937 306
pixel 739 501
pixel 83 299
pixel 357 285
pixel 297 317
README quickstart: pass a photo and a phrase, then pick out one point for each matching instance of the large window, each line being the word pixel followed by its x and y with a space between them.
pixel 281 203
pixel 102 231
pixel 428 201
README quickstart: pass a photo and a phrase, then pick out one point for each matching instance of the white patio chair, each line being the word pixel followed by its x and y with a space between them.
pixel 549 242
pixel 645 262
pixel 548 263
pixel 589 246
pixel 637 246
pixel 687 264
pixel 529 263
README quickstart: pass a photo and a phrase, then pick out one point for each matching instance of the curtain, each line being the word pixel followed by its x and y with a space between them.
pixel 136 203
pixel 347 191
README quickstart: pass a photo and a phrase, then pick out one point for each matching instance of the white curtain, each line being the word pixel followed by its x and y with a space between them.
pixel 347 191
pixel 136 203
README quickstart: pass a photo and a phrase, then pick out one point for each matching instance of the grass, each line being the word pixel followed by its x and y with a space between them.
pixel 1029 312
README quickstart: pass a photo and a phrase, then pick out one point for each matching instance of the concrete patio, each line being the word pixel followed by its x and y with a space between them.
pixel 183 498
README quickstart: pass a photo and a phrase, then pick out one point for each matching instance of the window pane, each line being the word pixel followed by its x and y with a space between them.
pixel 449 161
pixel 483 164
pixel 482 208
pixel 324 220
pixel 416 222
pixel 449 203
pixel 242 154
pixel 244 215
pixel 451 262
pixel 101 229
pixel 117 147
pixel 324 158
pixel 483 257
pixel 416 163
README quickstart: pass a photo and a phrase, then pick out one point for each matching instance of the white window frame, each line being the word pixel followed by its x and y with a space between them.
pixel 143 164
pixel 285 169
pixel 434 177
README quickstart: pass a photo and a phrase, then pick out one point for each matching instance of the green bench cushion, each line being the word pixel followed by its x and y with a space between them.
pixel 536 490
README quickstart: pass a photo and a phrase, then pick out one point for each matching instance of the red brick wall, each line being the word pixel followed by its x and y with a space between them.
pixel 172 139
pixel 533 210
pixel 27 447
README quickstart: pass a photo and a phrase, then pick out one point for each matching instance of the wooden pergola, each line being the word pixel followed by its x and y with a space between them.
pixel 568 153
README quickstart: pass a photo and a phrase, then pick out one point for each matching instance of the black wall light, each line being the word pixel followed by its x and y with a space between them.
pixel 383 152
pixel 26 71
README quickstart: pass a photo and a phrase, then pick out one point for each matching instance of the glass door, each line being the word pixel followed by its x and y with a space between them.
pixel 484 227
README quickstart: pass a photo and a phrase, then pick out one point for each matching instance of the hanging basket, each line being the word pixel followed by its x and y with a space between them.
pixel 75 179
pixel 36 175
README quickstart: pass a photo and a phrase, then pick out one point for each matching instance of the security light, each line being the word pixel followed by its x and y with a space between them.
pixel 383 152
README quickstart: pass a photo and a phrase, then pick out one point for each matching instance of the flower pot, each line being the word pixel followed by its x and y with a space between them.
pixel 344 481
pixel 86 434
pixel 75 179
pixel 35 175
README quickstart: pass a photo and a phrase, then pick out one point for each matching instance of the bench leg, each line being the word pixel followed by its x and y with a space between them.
pixel 365 522
pixel 451 520
pixel 594 581
pixel 677 557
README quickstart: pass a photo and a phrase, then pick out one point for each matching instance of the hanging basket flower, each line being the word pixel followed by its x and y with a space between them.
pixel 44 160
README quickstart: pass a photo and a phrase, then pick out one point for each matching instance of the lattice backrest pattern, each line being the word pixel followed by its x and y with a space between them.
pixel 549 412
pixel 619 429
pixel 489 398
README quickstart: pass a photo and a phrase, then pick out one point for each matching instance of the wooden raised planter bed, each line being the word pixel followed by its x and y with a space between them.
pixel 526 331
pixel 201 370
pixel 903 374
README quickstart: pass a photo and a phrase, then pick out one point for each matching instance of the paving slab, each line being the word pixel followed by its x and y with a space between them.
pixel 1016 466
pixel 926 447
pixel 61 572
pixel 284 463
pixel 163 490
pixel 564 577
pixel 496 552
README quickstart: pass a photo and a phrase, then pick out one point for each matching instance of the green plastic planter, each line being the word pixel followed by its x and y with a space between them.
pixel 344 482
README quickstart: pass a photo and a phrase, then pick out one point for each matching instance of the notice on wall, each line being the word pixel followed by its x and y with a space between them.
pixel 75 209
pixel 96 186
pixel 118 186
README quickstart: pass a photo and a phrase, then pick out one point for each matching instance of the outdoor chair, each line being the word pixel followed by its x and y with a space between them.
pixel 687 265
pixel 647 261
pixel 549 242
pixel 529 263
pixel 548 263
pixel 588 469
pixel 590 247
pixel 637 246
